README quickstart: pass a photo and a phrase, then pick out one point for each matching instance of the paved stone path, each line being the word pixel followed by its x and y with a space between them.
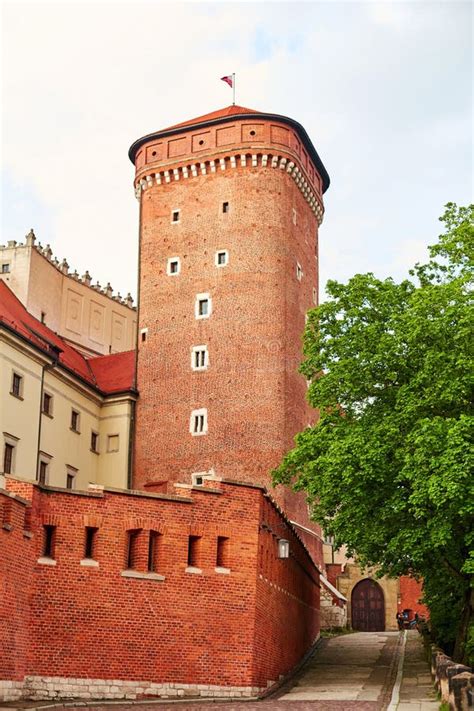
pixel 417 692
pixel 359 667
pixel 362 671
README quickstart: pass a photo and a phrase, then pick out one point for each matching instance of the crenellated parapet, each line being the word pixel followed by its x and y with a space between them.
pixel 61 265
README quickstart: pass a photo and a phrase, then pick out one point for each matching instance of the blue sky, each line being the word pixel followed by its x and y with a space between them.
pixel 384 89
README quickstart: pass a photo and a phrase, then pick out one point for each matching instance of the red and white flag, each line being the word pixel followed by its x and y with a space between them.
pixel 228 80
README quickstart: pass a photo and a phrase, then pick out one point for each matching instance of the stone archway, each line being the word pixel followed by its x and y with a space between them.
pixel 368 607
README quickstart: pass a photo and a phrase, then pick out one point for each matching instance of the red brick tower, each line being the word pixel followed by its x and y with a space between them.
pixel 230 205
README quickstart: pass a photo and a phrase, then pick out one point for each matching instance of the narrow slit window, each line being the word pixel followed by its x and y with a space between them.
pixel 194 545
pixel 222 558
pixel 48 541
pixel 143 335
pixel 153 544
pixel 203 307
pixel 90 542
pixel 132 549
pixel 175 216
pixel 225 207
pixel 299 272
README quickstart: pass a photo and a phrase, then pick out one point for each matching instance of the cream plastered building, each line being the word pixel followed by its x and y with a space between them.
pixel 89 317
pixel 65 420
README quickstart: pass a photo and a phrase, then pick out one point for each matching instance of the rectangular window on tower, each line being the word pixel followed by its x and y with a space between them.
pixel 199 358
pixel 173 266
pixel 202 306
pixel 198 423
pixel 222 258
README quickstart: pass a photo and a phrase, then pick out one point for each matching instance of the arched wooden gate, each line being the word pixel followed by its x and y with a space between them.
pixel 368 607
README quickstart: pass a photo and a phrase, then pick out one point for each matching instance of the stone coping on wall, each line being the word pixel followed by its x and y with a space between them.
pixel 455 682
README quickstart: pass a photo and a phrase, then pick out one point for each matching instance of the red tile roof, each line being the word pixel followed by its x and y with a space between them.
pixel 114 373
pixel 226 111
pixel 109 374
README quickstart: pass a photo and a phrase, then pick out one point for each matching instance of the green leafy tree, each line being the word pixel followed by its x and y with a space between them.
pixel 388 467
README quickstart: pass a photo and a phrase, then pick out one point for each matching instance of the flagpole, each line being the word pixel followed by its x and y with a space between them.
pixel 233 88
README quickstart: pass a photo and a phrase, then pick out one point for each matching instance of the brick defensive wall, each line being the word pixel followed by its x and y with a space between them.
pixel 123 595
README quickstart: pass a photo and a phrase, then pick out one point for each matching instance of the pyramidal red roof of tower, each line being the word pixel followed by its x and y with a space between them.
pixel 231 110
pixel 109 373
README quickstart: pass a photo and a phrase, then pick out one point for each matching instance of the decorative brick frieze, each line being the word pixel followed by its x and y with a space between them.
pixel 242 160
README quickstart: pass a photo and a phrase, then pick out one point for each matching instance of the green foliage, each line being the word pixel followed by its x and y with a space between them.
pixel 388 468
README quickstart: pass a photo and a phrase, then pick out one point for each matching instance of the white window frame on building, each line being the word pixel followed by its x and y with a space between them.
pixel 200 298
pixel 143 335
pixel 178 218
pixel 44 462
pixel 315 296
pixel 176 261
pixel 221 253
pixel 198 422
pixel 199 358
pixel 299 271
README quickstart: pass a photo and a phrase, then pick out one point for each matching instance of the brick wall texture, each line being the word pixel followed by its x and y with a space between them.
pixel 135 630
pixel 411 592
pixel 254 396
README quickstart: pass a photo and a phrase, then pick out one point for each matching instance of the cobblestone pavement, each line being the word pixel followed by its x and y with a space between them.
pixel 364 671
